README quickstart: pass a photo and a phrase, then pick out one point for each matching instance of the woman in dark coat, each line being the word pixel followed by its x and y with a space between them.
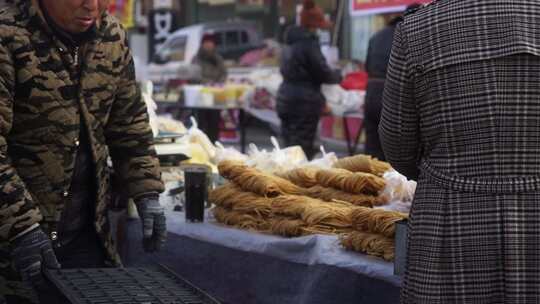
pixel 380 46
pixel 304 70
pixel 462 114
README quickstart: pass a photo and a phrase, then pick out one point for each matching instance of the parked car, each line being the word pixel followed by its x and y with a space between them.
pixel 173 59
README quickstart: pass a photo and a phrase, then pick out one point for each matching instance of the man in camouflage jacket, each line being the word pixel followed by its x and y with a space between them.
pixel 68 101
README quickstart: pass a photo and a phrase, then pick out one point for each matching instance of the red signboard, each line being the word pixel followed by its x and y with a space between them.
pixel 370 7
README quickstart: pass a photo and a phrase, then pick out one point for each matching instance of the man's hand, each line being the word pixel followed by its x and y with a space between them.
pixel 326 110
pixel 153 223
pixel 31 252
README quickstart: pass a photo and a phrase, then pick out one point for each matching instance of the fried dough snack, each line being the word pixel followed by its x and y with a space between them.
pixel 240 220
pixel 253 180
pixel 331 194
pixel 368 243
pixel 222 195
pixel 363 163
pixel 276 225
pixel 325 229
pixel 347 181
pixel 303 177
pixel 287 227
pixel 312 211
pixel 232 197
pixel 376 220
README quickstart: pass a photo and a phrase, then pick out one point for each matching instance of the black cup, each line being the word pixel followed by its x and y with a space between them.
pixel 196 188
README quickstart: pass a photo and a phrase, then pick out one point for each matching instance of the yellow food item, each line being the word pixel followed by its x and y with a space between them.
pixel 363 163
pixel 219 93
pixel 264 203
pixel 331 194
pixel 376 220
pixel 303 177
pixel 253 180
pixel 240 220
pixel 369 243
pixel 347 181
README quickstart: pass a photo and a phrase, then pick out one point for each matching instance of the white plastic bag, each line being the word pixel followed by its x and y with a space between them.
pixel 333 93
pixel 293 156
pixel 399 206
pixel 399 192
pixel 260 159
pixel 278 160
pixel 168 124
pixel 266 79
pixel 353 100
pixel 199 147
pixel 327 161
pixel 230 153
pixel 147 90
pixel 343 101
pixel 195 135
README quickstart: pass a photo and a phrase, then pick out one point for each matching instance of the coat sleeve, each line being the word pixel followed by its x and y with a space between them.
pixel 129 136
pixel 399 126
pixel 222 69
pixel 369 58
pixel 18 212
pixel 318 67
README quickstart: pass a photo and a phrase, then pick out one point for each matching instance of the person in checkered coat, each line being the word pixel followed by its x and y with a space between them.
pixel 461 115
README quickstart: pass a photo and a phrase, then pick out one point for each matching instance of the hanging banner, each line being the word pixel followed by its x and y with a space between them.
pixel 161 24
pixel 372 7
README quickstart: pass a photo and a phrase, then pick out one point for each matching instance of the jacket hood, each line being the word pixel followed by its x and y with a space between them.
pixel 298 33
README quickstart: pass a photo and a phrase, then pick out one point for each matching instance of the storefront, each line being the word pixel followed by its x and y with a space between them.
pixel 369 16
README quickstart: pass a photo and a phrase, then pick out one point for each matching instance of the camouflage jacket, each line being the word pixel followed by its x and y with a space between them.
pixel 212 67
pixel 44 91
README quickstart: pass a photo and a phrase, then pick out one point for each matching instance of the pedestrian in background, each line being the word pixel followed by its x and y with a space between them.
pixel 213 71
pixel 304 69
pixel 212 65
pixel 461 114
pixel 380 46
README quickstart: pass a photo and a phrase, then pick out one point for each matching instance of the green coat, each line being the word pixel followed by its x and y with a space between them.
pixel 212 67
pixel 41 97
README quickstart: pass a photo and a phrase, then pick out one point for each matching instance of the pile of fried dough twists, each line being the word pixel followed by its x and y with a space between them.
pixel 308 201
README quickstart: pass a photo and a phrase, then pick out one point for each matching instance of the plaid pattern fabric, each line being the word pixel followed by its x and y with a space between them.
pixel 462 114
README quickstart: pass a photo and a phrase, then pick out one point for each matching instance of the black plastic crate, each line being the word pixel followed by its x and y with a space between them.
pixel 126 286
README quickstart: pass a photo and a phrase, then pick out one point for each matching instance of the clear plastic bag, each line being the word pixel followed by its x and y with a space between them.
pixel 147 91
pixel 277 160
pixel 343 101
pixel 230 153
pixel 195 135
pixel 327 161
pixel 399 191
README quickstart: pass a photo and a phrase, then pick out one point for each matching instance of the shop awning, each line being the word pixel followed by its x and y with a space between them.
pixel 372 7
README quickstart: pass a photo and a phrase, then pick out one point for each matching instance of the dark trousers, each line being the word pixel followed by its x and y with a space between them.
pixel 208 121
pixel 372 117
pixel 85 251
pixel 300 129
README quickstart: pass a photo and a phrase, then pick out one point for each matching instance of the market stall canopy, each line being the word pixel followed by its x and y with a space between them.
pixel 372 7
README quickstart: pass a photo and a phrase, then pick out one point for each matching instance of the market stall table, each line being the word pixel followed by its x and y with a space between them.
pixel 246 267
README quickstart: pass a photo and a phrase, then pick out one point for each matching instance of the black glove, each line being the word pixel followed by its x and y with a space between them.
pixel 31 252
pixel 153 223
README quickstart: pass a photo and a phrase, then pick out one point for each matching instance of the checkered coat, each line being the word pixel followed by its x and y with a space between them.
pixel 462 114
